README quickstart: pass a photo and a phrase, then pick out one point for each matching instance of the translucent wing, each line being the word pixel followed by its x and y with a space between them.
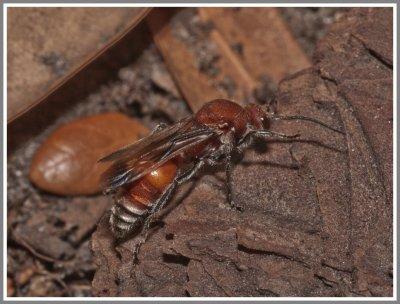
pixel 136 149
pixel 136 160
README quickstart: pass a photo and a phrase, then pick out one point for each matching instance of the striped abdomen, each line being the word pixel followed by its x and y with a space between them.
pixel 132 206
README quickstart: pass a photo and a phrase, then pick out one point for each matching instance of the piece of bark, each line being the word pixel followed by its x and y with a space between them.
pixel 330 193
pixel 54 248
pixel 323 229
pixel 67 162
pixel 361 81
pixel 47 45
pixel 80 267
pixel 194 85
pixel 227 72
pixel 200 283
pixel 82 215
pixel 102 244
pixel 213 72
pixel 267 46
pixel 162 79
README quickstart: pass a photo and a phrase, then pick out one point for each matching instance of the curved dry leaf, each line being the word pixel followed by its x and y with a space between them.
pixel 66 163
pixel 47 46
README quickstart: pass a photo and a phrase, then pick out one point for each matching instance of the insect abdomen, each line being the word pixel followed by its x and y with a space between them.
pixel 137 199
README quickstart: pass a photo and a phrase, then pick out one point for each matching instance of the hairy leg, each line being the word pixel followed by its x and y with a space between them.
pixel 271 134
pixel 246 141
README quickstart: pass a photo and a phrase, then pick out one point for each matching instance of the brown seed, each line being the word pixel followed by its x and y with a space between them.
pixel 66 163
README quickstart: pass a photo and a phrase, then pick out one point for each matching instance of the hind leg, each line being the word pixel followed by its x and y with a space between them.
pixel 161 202
pixel 165 197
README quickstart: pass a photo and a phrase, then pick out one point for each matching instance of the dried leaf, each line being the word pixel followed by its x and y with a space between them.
pixel 47 45
pixel 66 163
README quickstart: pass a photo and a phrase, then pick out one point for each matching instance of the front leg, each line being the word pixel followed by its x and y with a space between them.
pixel 246 140
pixel 271 134
pixel 226 150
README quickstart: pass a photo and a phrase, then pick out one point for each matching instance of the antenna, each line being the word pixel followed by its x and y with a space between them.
pixel 299 117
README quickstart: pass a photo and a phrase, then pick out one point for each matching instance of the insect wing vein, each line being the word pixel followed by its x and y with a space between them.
pixel 136 160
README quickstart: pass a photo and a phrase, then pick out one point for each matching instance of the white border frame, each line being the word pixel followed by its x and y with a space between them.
pixel 281 299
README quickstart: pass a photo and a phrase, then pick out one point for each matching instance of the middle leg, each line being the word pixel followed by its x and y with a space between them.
pixel 271 134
